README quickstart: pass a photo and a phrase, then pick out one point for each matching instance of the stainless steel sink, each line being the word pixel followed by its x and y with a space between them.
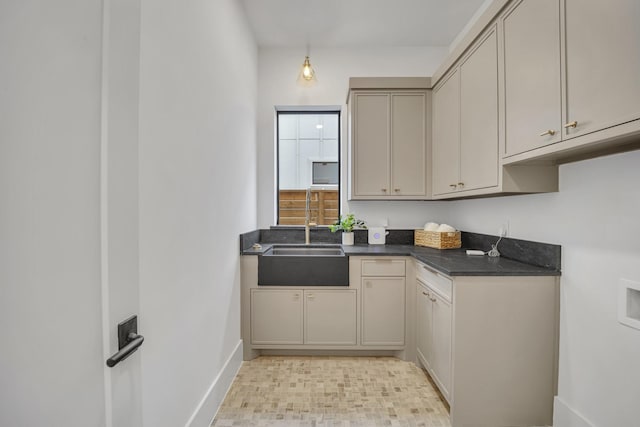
pixel 304 265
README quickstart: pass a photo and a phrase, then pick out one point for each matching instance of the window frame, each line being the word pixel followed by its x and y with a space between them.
pixel 308 111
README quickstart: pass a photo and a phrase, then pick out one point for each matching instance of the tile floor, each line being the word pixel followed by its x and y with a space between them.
pixel 331 391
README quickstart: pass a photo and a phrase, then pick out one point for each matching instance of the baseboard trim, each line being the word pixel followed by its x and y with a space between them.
pixel 208 407
pixel 565 416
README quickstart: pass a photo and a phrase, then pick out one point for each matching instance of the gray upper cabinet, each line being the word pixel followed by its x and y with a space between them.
pixel 532 75
pixel 389 135
pixel 602 64
pixel 371 114
pixel 479 116
pixel 408 144
pixel 571 81
pixel 465 123
pixel 446 135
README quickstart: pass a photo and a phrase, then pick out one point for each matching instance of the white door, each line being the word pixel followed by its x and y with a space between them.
pixel 68 231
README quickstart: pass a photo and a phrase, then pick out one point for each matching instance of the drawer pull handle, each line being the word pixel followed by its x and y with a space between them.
pixel 425 294
pixel 430 270
pixel 573 124
pixel 548 132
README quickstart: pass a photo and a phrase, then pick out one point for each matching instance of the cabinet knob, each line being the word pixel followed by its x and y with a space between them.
pixel 453 186
pixel 310 296
pixel 461 184
pixel 384 190
pixel 548 132
pixel 425 294
pixel 396 190
pixel 432 299
pixel 573 124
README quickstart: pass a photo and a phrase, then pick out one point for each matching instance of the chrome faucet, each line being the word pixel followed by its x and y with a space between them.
pixel 307 218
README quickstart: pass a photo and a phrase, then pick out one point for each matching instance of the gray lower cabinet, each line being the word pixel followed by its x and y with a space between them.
pixel 303 316
pixel 433 335
pixel 383 311
pixel 490 345
pixel 330 317
pixel 276 316
pixel 383 302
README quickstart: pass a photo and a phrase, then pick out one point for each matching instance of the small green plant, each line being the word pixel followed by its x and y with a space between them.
pixel 347 223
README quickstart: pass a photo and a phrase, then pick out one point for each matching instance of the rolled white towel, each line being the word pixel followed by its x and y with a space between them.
pixel 446 228
pixel 431 226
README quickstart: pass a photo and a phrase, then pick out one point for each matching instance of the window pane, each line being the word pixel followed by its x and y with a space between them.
pixel 305 140
pixel 330 127
pixel 287 126
pixel 309 126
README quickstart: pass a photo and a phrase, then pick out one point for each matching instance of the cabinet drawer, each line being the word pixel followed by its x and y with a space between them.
pixel 383 267
pixel 430 277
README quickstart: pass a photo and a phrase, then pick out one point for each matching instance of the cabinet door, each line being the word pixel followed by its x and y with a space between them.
pixel 479 116
pixel 408 144
pixel 424 326
pixel 383 311
pixel 602 64
pixel 446 135
pixel 330 317
pixel 532 75
pixel 276 316
pixel 441 364
pixel 371 120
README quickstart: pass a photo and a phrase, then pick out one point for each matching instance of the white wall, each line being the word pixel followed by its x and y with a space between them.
pixel 594 217
pixel 197 194
pixel 278 86
pixel 51 361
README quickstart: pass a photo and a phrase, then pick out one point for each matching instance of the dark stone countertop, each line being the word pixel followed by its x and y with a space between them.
pixel 452 262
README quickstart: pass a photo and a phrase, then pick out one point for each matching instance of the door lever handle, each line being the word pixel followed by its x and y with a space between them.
pixel 135 341
pixel 128 340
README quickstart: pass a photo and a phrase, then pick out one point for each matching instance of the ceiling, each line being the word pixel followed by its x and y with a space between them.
pixel 358 23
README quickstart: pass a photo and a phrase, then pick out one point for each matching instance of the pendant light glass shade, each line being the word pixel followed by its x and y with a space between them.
pixel 308 73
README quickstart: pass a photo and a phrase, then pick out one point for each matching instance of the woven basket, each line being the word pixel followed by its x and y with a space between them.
pixel 437 239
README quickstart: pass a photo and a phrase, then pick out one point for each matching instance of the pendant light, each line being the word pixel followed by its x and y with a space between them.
pixel 308 73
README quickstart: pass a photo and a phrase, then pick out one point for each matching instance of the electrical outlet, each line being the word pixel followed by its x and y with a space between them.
pixel 504 229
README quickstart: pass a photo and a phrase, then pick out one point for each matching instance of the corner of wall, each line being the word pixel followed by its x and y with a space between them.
pixel 565 416
pixel 210 403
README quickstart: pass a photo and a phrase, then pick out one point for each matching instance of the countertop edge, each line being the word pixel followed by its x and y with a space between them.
pixel 412 251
